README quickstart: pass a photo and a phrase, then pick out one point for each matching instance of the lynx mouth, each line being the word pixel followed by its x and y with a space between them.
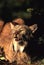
pixel 16 39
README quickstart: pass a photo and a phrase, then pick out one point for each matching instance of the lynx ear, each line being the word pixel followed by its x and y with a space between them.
pixel 12 26
pixel 33 28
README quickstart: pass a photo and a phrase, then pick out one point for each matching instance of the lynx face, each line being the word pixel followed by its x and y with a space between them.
pixel 21 35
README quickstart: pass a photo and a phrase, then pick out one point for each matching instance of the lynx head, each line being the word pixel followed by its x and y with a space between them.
pixel 21 35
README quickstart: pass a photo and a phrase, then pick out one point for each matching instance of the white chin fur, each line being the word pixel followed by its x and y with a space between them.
pixel 18 47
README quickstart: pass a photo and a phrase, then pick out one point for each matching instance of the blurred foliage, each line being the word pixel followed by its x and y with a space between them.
pixel 41 40
pixel 29 9
pixel 18 8
pixel 14 3
pixel 22 14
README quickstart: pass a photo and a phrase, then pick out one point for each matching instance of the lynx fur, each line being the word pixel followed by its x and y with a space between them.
pixel 14 39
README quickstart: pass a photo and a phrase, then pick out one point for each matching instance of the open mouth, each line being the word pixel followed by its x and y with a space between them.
pixel 16 39
pixel 20 41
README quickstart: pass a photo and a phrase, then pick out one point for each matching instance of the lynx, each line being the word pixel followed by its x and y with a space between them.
pixel 14 38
